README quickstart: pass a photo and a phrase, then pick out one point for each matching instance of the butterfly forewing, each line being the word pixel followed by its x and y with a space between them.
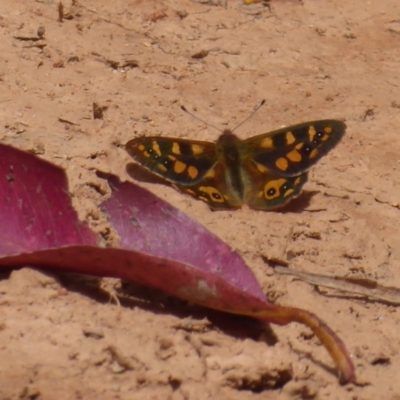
pixel 293 150
pixel 179 161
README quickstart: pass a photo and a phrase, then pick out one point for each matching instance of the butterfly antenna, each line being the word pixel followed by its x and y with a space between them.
pixel 218 129
pixel 250 116
pixel 201 120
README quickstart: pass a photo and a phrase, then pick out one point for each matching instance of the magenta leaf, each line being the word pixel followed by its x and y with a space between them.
pixel 35 208
pixel 160 246
pixel 148 224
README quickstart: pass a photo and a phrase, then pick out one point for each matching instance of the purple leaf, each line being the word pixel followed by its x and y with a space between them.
pixel 148 224
pixel 35 208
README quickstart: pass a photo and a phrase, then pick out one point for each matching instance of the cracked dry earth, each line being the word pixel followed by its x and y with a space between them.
pixel 61 337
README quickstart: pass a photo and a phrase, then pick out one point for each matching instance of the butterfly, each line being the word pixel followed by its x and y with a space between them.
pixel 264 172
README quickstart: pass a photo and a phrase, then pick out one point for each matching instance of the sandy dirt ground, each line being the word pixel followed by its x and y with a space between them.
pixel 61 337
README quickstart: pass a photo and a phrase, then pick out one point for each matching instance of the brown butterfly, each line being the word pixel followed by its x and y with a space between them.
pixel 265 171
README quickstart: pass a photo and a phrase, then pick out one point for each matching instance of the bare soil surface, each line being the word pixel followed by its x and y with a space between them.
pixel 63 338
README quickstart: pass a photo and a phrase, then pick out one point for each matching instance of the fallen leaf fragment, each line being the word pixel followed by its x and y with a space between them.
pixel 201 54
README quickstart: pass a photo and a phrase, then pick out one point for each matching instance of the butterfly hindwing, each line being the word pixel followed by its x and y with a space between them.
pixel 267 190
pixel 177 160
pixel 293 150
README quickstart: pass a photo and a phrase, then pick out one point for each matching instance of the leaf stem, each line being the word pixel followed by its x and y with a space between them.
pixel 282 315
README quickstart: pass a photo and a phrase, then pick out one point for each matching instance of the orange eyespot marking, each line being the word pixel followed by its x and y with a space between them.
pixel 260 194
pixel 299 146
pixel 325 138
pixel 172 158
pixel 162 167
pixel 290 139
pixel 179 167
pixel 314 153
pixel 156 148
pixel 297 181
pixel 311 133
pixel 288 193
pixel 197 149
pixel 193 172
pixel 294 156
pixel 176 148
pixel 214 194
pixel 272 189
pixel 141 147
pixel 282 163
pixel 261 168
pixel 267 143
pixel 328 129
pixel 146 154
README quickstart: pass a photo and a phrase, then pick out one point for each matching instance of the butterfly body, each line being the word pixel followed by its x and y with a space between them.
pixel 265 171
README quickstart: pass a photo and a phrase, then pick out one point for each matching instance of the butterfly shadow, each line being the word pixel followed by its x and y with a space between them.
pixel 299 204
pixel 141 174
